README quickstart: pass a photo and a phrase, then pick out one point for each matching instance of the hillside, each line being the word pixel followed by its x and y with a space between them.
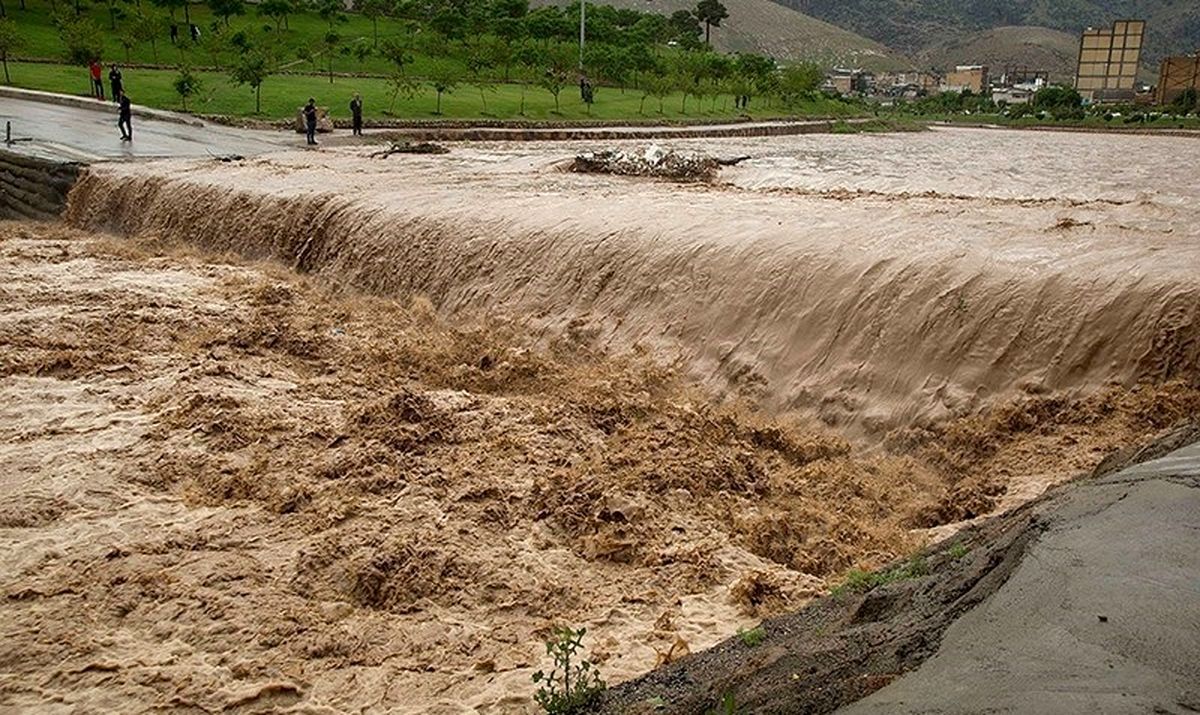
pixel 915 26
pixel 764 27
pixel 1033 47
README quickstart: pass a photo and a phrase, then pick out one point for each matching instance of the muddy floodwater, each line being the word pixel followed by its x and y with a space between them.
pixel 315 432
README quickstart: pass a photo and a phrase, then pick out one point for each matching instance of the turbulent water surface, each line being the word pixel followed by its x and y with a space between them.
pixel 372 471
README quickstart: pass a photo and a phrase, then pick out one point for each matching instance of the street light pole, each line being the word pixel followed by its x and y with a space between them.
pixel 582 30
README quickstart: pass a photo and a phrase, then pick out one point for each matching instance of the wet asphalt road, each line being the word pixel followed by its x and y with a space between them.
pixel 84 134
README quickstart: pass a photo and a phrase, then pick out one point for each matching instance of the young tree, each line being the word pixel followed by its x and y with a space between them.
pixel 225 9
pixel 444 78
pixel 659 85
pixel 373 10
pixel 480 62
pixel 147 24
pixel 186 84
pixel 330 43
pixel 82 41
pixel 253 68
pixel 558 62
pixel 799 81
pixel 685 29
pixel 114 9
pixel 11 40
pixel 277 10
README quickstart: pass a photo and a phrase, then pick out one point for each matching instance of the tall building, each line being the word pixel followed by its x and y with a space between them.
pixel 1176 76
pixel 1108 61
pixel 967 77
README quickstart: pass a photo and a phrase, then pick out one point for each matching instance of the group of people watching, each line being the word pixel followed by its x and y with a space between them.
pixel 117 84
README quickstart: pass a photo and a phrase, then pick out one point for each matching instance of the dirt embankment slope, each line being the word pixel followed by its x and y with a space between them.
pixel 232 488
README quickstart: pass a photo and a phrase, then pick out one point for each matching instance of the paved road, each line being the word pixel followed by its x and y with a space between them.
pixel 1102 616
pixel 79 134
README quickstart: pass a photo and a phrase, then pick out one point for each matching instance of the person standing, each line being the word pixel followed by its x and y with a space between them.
pixel 195 32
pixel 97 82
pixel 114 80
pixel 174 33
pixel 310 120
pixel 125 114
pixel 356 113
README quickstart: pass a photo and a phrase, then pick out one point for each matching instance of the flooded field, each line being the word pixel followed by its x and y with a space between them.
pixel 323 433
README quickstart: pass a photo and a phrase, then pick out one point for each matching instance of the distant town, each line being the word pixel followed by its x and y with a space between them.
pixel 1106 73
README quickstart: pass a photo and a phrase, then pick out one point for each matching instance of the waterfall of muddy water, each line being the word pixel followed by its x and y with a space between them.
pixel 877 281
pixel 229 487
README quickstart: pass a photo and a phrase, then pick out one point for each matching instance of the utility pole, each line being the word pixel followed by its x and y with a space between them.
pixel 582 30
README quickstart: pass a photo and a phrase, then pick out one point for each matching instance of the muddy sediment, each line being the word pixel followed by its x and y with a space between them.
pixel 332 433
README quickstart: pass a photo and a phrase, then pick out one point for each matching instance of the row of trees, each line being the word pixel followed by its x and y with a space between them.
pixel 474 44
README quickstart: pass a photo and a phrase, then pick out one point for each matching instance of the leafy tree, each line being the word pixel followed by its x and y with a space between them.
pixel 277 10
pixel 480 60
pixel 547 23
pixel 147 25
pixel 225 9
pixel 170 5
pixel 253 68
pixel 685 28
pixel 558 61
pixel 1059 101
pixel 711 13
pixel 82 41
pixel 373 10
pixel 186 84
pixel 114 10
pixel 1186 102
pixel 11 40
pixel 444 78
pixel 330 42
pixel 658 85
pixel 799 81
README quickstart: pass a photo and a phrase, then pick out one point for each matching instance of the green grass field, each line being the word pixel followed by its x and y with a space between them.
pixel 282 95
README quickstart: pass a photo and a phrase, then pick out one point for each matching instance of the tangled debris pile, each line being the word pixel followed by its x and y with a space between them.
pixel 410 148
pixel 650 160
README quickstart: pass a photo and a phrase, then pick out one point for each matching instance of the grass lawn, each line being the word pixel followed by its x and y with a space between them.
pixel 282 95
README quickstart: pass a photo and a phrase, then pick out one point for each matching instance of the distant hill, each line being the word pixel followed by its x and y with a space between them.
pixel 916 26
pixel 767 28
pixel 1034 47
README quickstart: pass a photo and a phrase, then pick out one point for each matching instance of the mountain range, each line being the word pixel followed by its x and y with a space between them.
pixel 937 34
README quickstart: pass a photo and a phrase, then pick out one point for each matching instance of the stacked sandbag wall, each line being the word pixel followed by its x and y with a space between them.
pixel 33 188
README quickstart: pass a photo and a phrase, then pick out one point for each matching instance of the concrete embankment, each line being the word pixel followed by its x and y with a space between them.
pixel 34 188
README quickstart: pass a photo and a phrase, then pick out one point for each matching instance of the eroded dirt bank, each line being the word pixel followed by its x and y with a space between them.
pixel 231 488
pixel 822 277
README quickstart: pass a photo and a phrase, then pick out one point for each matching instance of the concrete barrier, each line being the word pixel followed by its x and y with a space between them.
pixel 32 188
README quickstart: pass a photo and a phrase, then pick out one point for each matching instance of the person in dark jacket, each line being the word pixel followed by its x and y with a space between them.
pixel 310 120
pixel 114 79
pixel 356 113
pixel 125 113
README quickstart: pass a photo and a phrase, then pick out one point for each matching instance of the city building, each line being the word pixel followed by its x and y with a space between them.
pixel 1012 95
pixel 848 81
pixel 1108 61
pixel 967 77
pixel 1176 75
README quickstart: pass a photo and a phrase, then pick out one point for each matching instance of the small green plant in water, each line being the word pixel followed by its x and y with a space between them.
pixel 752 637
pixel 858 581
pixel 574 683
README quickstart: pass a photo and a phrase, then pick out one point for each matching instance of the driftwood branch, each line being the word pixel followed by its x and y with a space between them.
pixel 410 148
pixel 734 161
